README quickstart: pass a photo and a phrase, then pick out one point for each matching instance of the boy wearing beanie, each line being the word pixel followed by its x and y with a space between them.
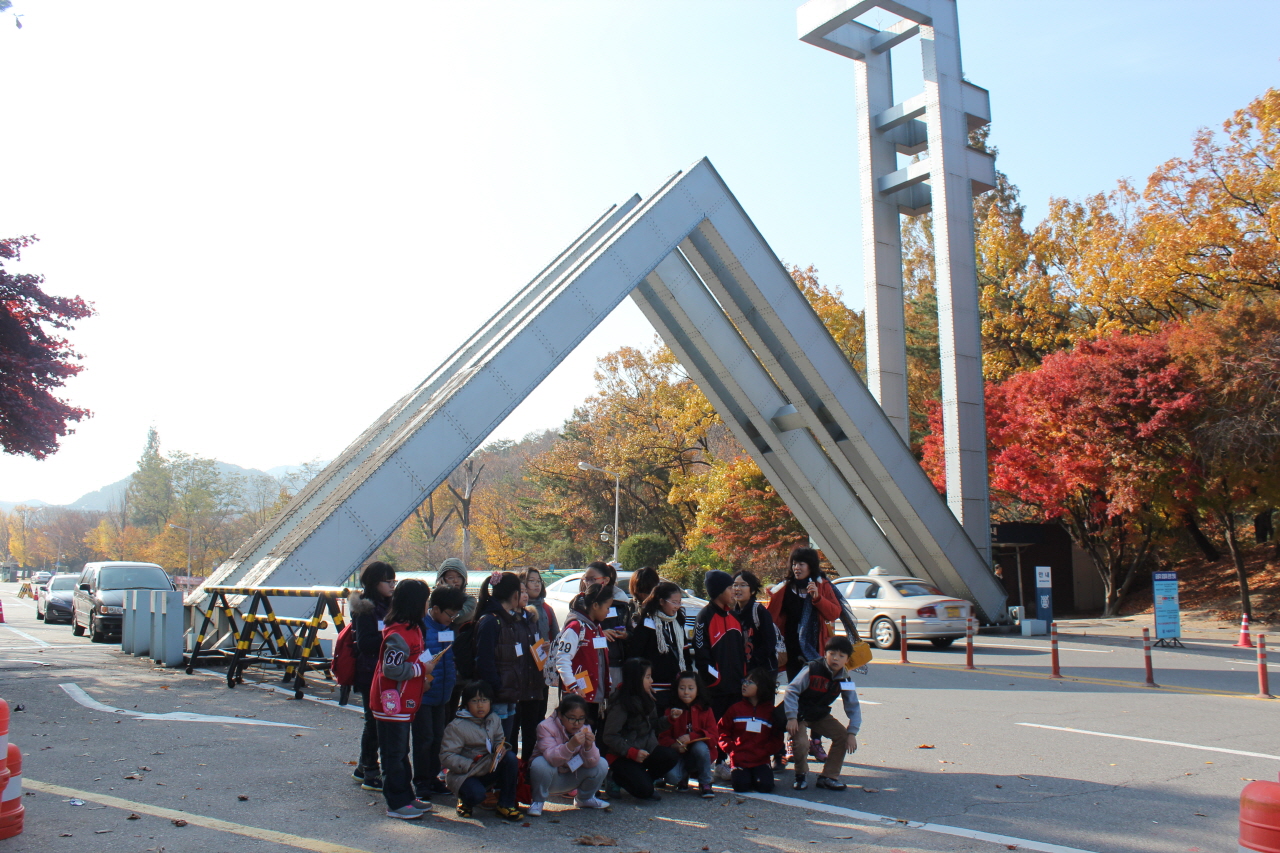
pixel 719 646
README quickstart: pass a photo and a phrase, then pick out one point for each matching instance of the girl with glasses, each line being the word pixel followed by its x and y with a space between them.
pixel 567 758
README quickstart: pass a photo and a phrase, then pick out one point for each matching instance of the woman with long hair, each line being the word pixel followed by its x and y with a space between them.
pixel 542 622
pixel 763 640
pixel 631 732
pixel 504 649
pixel 368 608
pixel 659 637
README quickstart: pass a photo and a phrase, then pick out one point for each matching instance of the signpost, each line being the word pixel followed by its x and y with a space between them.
pixel 1044 594
pixel 1164 591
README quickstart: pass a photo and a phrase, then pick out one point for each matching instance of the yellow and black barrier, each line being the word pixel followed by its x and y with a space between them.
pixel 263 638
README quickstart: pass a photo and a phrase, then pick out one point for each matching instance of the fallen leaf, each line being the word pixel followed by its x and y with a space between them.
pixel 1011 847
pixel 145 769
pixel 925 746
pixel 179 822
pixel 1197 814
pixel 241 797
pixel 102 831
pixel 999 786
pixel 134 776
pixel 596 841
pixel 65 835
pixel 871 791
pixel 134 816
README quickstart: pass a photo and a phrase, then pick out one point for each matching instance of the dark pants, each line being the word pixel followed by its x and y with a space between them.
pixel 428 731
pixel 529 715
pixel 397 775
pixel 753 779
pixel 369 741
pixel 721 703
pixel 504 779
pixel 636 778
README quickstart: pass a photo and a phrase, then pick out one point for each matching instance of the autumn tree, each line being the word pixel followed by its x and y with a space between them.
pixel 149 496
pixel 35 359
pixel 743 518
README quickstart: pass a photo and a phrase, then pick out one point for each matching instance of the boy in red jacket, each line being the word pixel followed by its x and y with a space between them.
pixel 751 732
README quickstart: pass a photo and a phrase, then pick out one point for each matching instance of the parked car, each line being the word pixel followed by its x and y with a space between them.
pixel 99 596
pixel 560 594
pixel 880 600
pixel 39 579
pixel 54 599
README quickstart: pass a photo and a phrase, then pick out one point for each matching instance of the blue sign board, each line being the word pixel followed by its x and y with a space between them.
pixel 1164 589
pixel 1044 594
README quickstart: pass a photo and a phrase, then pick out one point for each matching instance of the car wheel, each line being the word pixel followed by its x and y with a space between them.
pixel 95 636
pixel 942 642
pixel 76 627
pixel 884 633
pixel 39 615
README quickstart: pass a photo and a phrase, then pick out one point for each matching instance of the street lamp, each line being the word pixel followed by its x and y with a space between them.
pixel 617 491
pixel 188 529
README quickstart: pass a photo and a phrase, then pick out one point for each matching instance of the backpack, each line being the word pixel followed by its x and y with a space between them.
pixel 343 665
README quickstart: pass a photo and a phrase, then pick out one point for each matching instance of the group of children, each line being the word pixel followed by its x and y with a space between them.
pixel 634 697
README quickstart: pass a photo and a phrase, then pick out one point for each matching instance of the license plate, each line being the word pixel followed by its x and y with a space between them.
pixel 953 612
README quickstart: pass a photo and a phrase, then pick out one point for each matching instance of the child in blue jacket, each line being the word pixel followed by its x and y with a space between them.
pixel 428 724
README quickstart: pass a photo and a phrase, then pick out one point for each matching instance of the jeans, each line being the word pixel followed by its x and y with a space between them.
pixel 369 741
pixel 397 775
pixel 759 778
pixel 636 778
pixel 695 763
pixel 428 731
pixel 545 780
pixel 472 791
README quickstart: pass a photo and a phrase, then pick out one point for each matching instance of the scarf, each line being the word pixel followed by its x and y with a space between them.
pixel 665 646
pixel 807 634
pixel 540 612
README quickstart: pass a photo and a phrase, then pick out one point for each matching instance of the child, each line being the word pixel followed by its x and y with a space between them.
pixel 631 733
pixel 750 732
pixel 428 724
pixel 692 731
pixel 504 649
pixel 542 621
pixel 582 650
pixel 475 755
pixel 658 636
pixel 396 692
pixel 808 703
pixel 567 758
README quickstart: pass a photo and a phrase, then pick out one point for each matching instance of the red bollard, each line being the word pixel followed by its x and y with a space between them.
pixel 968 643
pixel 1260 817
pixel 1264 680
pixel 902 639
pixel 1146 651
pixel 1244 642
pixel 1053 650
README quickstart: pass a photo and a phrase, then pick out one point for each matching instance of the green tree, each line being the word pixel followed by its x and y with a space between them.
pixel 150 493
pixel 644 549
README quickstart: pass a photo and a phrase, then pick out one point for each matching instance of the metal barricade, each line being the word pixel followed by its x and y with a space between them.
pixel 263 638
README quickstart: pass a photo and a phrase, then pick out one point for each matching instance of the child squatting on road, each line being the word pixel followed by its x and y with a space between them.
pixel 808 701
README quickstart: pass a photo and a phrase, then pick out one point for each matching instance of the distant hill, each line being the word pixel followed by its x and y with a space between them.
pixel 110 495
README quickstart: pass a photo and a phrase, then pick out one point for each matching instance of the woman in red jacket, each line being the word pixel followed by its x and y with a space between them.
pixel 802 606
pixel 693 732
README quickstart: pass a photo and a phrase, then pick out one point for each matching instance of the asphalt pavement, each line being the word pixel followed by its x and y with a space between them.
pixel 950 760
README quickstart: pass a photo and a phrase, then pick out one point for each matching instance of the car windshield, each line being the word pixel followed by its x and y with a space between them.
pixel 62 583
pixel 910 588
pixel 134 577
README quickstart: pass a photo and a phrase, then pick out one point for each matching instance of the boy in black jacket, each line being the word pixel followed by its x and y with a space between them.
pixel 808 702
pixel 719 646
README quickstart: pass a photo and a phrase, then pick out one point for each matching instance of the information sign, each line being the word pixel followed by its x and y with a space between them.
pixel 1164 589
pixel 1044 594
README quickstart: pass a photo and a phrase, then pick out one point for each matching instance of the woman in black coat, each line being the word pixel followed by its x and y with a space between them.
pixel 377 581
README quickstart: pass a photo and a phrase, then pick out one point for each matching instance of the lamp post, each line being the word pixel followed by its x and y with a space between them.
pixel 617 491
pixel 188 529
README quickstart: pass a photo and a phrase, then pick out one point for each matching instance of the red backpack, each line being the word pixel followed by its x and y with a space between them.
pixel 343 665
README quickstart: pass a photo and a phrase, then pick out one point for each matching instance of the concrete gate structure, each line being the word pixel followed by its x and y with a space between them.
pixel 694 263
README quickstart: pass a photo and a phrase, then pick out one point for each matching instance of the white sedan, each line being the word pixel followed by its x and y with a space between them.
pixel 881 600
pixel 561 592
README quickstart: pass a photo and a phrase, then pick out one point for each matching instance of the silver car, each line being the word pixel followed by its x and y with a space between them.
pixel 881 600
pixel 561 592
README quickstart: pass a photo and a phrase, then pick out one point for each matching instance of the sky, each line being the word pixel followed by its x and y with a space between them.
pixel 287 214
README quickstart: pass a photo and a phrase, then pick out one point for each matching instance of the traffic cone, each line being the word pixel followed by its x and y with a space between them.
pixel 1245 642
pixel 1 611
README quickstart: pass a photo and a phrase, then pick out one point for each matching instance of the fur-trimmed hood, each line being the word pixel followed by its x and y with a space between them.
pixel 358 605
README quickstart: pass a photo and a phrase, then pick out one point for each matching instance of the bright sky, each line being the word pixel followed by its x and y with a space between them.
pixel 288 213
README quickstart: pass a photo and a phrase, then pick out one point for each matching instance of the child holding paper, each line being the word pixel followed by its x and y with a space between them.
pixel 693 732
pixel 428 724
pixel 567 758
pixel 582 650
pixel 475 755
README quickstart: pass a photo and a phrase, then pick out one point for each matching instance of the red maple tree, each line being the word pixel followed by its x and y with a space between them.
pixel 34 359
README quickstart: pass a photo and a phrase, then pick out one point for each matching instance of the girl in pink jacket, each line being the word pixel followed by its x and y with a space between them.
pixel 566 758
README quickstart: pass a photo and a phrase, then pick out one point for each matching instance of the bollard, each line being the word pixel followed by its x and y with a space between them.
pixel 127 616
pixel 141 622
pixel 902 640
pixel 166 627
pixel 1264 681
pixel 1146 651
pixel 1053 651
pixel 1244 642
pixel 968 643
pixel 12 812
pixel 1259 818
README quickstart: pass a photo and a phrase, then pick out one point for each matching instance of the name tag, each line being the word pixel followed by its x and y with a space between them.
pixel 381 625
pixel 600 642
pixel 575 762
pixel 445 636
pixel 754 725
pixel 848 685
pixel 649 623
pixel 488 744
pixel 613 613
pixel 715 673
pixel 519 650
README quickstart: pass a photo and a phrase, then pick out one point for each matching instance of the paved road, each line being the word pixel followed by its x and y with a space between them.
pixel 991 770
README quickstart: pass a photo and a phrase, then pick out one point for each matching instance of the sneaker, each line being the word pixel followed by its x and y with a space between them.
pixel 421 805
pixel 490 801
pixel 722 772
pixel 590 803
pixel 830 784
pixel 405 813
pixel 801 783
pixel 706 793
pixel 463 809
pixel 357 773
pixel 535 809
pixel 816 750
pixel 372 783
pixel 512 813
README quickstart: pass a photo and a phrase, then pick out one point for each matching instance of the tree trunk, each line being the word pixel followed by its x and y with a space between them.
pixel 1233 545
pixel 1211 553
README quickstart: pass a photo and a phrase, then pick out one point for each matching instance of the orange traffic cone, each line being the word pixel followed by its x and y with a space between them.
pixel 1245 642
pixel 1 611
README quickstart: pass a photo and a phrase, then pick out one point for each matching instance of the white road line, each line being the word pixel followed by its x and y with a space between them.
pixel 289 692
pixel 1152 740
pixel 960 832
pixel 77 693
pixel 39 642
pixel 21 603
pixel 1044 648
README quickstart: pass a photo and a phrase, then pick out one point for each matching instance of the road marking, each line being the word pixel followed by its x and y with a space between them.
pixel 1044 649
pixel 960 832
pixel 286 691
pixel 301 842
pixel 1151 740
pixel 39 642
pixel 77 693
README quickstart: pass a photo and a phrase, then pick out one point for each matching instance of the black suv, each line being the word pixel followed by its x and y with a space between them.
pixel 99 598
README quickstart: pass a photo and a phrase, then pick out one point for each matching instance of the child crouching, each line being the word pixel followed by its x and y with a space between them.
pixel 566 758
pixel 808 702
pixel 693 733
pixel 475 755
pixel 750 732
